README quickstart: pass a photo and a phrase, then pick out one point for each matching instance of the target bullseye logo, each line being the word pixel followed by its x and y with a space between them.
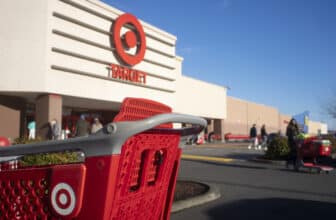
pixel 134 38
pixel 63 199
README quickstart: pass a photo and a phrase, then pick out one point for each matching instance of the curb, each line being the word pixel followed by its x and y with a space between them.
pixel 212 194
pixel 277 162
pixel 192 157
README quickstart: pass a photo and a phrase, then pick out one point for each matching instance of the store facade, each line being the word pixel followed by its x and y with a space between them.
pixel 64 58
pixel 242 114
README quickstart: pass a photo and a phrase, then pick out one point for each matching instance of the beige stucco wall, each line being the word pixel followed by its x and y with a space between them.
pixel 236 121
pixel 324 128
pixel 284 120
pixel 261 114
pixel 315 127
pixel 23 45
pixel 88 60
pixel 200 98
pixel 242 114
pixel 64 47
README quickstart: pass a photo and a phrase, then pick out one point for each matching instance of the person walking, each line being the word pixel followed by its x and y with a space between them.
pixel 55 130
pixel 263 134
pixel 96 125
pixel 292 131
pixel 32 130
pixel 253 137
pixel 82 127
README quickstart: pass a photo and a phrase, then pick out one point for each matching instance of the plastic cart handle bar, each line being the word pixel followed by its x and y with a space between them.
pixel 126 129
pixel 110 140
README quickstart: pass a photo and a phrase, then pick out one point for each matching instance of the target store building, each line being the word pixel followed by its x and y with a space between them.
pixel 63 58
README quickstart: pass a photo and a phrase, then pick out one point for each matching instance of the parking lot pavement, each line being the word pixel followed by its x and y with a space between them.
pixel 260 191
pixel 231 151
pixel 223 144
pixel 252 190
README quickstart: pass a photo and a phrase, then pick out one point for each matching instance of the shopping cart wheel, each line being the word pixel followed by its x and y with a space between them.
pixel 297 165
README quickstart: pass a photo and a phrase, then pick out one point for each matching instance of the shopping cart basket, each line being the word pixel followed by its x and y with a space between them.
pixel 309 150
pixel 129 170
pixel 314 147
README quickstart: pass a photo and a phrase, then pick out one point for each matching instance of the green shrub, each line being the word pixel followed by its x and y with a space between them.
pixel 277 149
pixel 25 140
pixel 46 158
pixel 50 159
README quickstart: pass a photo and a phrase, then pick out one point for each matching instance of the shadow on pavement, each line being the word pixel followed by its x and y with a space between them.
pixel 308 171
pixel 330 195
pixel 329 161
pixel 274 208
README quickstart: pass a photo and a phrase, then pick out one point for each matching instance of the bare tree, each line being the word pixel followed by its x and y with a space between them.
pixel 331 108
pixel 332 111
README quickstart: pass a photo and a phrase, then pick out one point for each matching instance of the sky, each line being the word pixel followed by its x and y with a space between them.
pixel 280 53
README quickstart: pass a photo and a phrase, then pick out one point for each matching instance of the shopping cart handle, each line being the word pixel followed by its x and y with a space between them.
pixel 133 127
pixel 110 139
pixel 125 129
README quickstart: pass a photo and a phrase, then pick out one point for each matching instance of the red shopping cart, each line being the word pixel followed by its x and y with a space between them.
pixel 129 170
pixel 309 149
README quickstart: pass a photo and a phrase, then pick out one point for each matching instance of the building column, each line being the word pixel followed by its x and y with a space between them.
pixel 219 128
pixel 48 107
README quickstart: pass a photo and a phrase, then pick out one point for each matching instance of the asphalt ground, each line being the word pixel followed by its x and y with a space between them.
pixel 237 151
pixel 256 191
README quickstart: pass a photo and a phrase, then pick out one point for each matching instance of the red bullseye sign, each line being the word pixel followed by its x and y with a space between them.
pixel 63 199
pixel 131 39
